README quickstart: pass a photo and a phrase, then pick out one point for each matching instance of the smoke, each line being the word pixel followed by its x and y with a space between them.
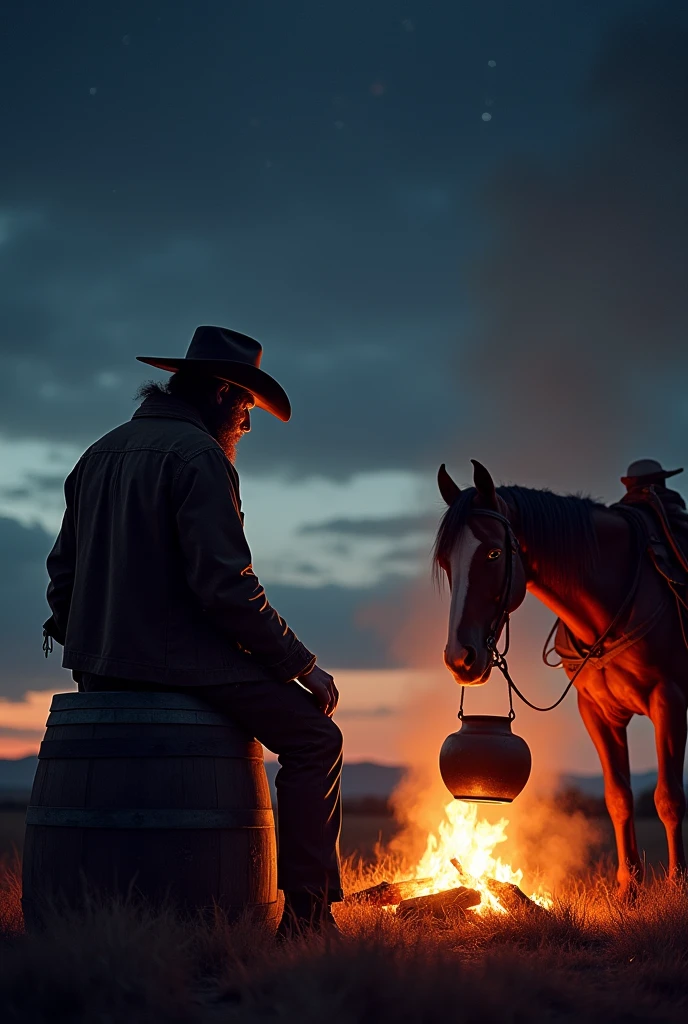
pixel 549 845
pixel 419 800
pixel 578 357
pixel 411 623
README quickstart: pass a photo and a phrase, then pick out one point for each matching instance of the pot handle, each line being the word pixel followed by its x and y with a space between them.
pixel 512 713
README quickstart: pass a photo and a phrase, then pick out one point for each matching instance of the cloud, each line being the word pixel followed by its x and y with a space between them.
pixel 23 611
pixel 37 486
pixel 21 734
pixel 379 712
pixel 328 620
pixel 75 315
pixel 326 617
pixel 454 299
pixel 545 332
pixel 387 528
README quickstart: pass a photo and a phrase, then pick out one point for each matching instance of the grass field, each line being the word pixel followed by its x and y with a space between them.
pixel 590 959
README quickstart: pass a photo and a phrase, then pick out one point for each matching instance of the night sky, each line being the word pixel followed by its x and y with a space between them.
pixel 459 229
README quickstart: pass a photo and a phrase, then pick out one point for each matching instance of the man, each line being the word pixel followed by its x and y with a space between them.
pixel 645 484
pixel 645 473
pixel 151 587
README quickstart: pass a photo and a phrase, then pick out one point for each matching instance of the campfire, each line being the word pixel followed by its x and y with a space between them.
pixel 458 872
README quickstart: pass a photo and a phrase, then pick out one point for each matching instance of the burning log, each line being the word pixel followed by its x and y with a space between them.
pixel 455 864
pixel 389 894
pixel 440 904
pixel 511 897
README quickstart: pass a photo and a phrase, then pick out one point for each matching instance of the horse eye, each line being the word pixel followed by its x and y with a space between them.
pixel 494 554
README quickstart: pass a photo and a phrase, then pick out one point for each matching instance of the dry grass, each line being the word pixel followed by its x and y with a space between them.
pixel 592 959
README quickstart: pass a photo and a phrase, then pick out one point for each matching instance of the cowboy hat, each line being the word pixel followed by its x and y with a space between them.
pixel 232 357
pixel 646 468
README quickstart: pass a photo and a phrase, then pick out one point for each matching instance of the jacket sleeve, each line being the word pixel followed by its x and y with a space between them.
pixel 218 566
pixel 61 565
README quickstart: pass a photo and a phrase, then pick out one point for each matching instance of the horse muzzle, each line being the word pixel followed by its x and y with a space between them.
pixel 469 665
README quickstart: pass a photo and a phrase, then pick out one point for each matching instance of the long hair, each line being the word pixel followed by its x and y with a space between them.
pixel 191 385
pixel 557 531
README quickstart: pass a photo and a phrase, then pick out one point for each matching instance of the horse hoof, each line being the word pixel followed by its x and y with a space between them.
pixel 629 890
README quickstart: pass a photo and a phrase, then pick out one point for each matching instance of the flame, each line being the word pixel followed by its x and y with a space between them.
pixel 461 852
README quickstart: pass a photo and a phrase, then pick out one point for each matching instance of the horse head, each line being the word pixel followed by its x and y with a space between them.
pixel 478 551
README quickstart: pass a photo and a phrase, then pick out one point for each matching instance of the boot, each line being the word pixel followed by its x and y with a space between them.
pixel 306 913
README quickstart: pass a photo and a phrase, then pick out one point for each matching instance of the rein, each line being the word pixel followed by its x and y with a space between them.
pixel 502 621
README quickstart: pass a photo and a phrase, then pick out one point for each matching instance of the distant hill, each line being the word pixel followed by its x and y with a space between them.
pixel 360 779
pixel 593 785
pixel 16 776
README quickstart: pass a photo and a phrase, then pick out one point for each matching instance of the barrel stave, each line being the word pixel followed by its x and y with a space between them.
pixel 189 759
pixel 61 784
pixel 179 864
pixel 51 869
pixel 258 872
pixel 236 790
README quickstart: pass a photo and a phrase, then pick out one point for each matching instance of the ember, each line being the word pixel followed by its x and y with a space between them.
pixel 464 845
pixel 461 851
pixel 440 904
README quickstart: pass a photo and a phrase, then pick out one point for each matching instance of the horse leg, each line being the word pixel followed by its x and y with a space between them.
pixel 611 744
pixel 668 713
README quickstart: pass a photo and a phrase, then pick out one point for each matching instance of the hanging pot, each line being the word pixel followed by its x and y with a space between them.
pixel 484 762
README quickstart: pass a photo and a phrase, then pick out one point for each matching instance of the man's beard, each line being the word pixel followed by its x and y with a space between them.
pixel 228 437
pixel 225 426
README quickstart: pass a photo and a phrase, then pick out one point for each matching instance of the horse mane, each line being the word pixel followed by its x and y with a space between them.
pixel 557 530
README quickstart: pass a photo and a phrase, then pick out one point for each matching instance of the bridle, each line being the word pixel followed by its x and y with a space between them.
pixel 502 619
pixel 502 622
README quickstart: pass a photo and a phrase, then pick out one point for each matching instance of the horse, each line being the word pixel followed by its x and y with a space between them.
pixel 588 565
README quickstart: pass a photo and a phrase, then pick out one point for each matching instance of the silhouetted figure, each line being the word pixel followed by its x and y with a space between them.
pixel 646 489
pixel 646 473
pixel 152 588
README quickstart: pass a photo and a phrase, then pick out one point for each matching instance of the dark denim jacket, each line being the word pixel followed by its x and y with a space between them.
pixel 150 576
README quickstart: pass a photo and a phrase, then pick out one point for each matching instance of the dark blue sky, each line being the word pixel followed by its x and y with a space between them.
pixel 428 285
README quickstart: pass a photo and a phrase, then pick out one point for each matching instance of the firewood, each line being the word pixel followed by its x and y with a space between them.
pixel 511 897
pixel 440 904
pixel 459 867
pixel 389 894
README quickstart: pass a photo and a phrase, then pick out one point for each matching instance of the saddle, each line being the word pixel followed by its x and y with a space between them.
pixel 661 528
pixel 664 525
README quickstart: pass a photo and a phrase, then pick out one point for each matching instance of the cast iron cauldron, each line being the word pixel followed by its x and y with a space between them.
pixel 484 762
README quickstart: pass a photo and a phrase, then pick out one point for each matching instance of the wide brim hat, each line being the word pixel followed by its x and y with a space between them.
pixel 642 468
pixel 231 357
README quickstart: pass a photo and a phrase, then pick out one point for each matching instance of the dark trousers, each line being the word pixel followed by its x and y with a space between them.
pixel 308 744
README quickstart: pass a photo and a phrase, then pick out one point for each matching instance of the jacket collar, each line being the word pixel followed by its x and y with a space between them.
pixel 169 407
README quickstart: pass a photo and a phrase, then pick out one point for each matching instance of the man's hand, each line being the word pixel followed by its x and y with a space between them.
pixel 321 685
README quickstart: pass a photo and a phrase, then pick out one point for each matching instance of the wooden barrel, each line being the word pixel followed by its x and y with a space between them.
pixel 150 793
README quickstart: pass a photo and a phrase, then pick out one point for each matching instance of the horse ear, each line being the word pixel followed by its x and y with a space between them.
pixel 448 489
pixel 484 484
